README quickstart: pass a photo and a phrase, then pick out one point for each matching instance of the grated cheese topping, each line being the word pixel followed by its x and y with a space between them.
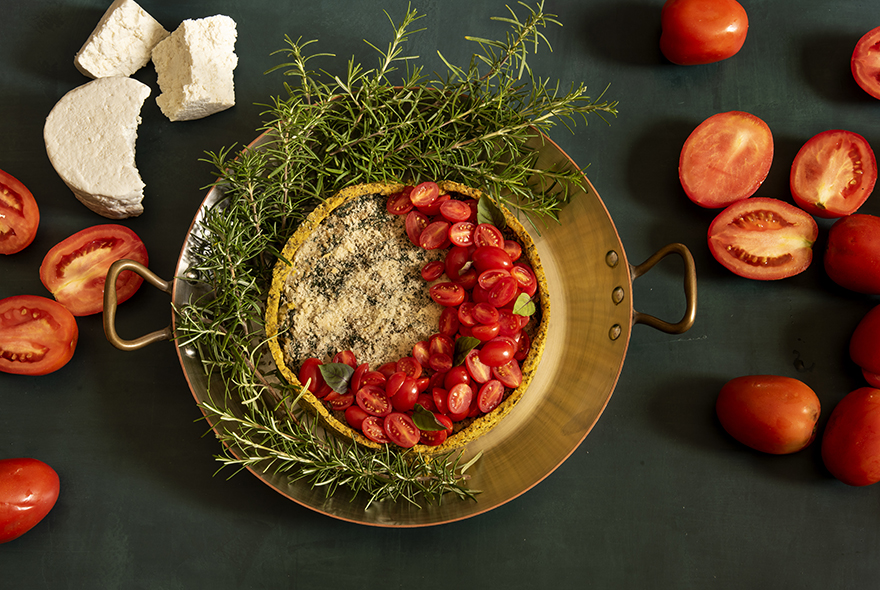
pixel 356 285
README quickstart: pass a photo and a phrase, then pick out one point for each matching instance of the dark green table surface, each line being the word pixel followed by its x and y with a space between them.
pixel 657 496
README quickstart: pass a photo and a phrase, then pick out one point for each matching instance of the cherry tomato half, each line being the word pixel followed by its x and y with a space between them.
pixel 373 400
pixel 414 224
pixel 401 430
pixel 19 215
pixel 510 374
pixel 447 294
pixel 486 234
pixel 490 395
pixel 852 256
pixel 725 159
pixel 459 401
pixel 74 269
pixel 28 491
pixel 399 203
pixel 373 429
pixel 462 233
pixel 37 335
pixel 454 211
pixel 833 173
pixel 865 62
pixel 435 235
pixel 424 194
pixel 764 239
pixel 702 31
pixel 771 414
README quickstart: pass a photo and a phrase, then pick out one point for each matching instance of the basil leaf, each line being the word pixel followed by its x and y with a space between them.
pixel 524 305
pixel 337 376
pixel 426 420
pixel 463 346
pixel 488 212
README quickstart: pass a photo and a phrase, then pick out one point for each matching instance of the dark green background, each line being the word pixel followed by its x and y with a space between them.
pixel 657 496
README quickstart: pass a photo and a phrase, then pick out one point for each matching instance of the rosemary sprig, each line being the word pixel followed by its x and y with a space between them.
pixel 328 132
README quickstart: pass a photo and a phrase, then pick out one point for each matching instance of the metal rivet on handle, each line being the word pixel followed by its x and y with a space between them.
pixel 612 258
pixel 614 332
pixel 617 295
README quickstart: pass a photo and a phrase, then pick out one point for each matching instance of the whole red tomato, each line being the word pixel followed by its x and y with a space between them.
pixel 864 346
pixel 28 491
pixel 851 441
pixel 771 414
pixel 852 257
pixel 702 31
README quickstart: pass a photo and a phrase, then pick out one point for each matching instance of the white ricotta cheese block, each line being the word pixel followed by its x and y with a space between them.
pixel 194 66
pixel 90 139
pixel 121 43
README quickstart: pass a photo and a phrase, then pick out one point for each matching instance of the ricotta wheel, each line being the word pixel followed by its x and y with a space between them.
pixel 90 137
pixel 121 43
pixel 353 283
pixel 195 68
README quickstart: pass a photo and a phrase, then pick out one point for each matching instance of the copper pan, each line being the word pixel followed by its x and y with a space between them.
pixel 590 285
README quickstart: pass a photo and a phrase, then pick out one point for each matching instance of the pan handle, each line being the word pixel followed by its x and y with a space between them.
pixel 110 301
pixel 690 290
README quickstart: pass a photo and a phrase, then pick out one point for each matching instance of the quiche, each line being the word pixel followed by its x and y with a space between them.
pixel 355 286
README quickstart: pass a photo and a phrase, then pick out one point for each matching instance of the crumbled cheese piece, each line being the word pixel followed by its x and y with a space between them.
pixel 90 139
pixel 121 43
pixel 357 286
pixel 194 66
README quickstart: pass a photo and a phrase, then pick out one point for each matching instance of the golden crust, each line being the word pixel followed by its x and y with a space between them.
pixel 275 312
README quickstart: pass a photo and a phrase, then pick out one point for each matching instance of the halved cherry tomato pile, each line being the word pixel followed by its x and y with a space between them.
pixel 463 370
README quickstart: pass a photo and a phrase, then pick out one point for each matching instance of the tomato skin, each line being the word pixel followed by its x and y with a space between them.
pixel 355 416
pixel 702 31
pixel 852 256
pixel 833 174
pixel 768 413
pixel 74 269
pixel 864 345
pixel 37 335
pixel 497 352
pixel 851 440
pixel 19 215
pixel 725 159
pixel 491 257
pixel 28 491
pixel 763 239
pixel 865 62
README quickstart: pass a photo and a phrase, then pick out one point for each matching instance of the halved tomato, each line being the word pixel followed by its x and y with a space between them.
pixel 37 335
pixel 74 270
pixel 833 173
pixel 19 215
pixel 725 159
pixel 762 238
pixel 865 62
